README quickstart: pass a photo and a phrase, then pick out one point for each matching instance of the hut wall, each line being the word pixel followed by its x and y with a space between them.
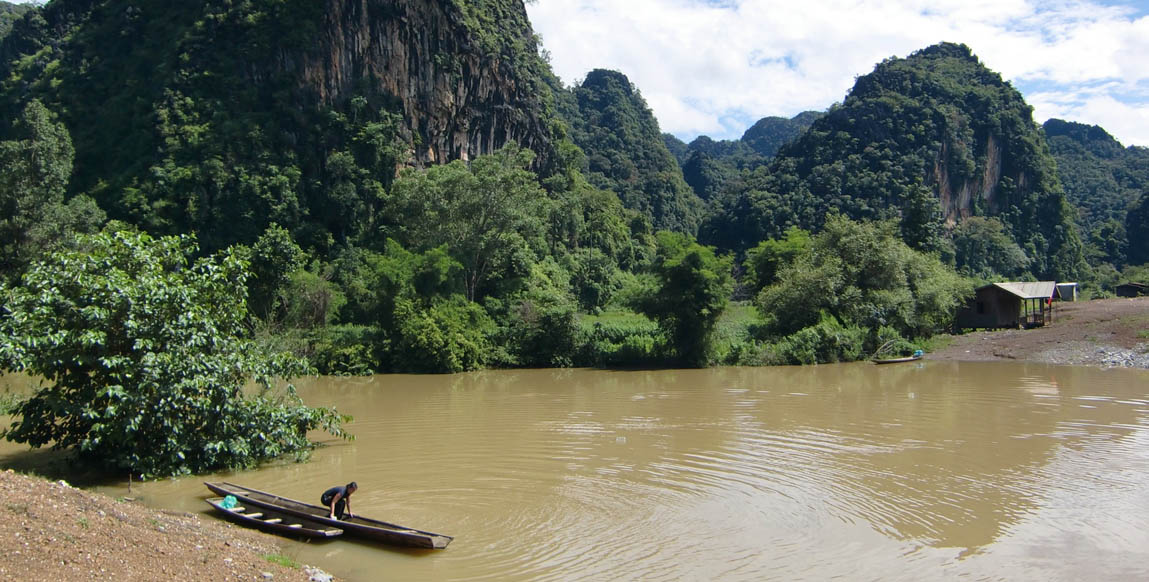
pixel 991 308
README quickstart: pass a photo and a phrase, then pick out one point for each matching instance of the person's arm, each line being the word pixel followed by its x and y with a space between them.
pixel 349 507
pixel 334 500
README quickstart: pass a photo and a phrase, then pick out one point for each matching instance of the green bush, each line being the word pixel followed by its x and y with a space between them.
pixel 828 341
pixel 449 336
pixel 345 350
pixel 620 339
pixel 145 357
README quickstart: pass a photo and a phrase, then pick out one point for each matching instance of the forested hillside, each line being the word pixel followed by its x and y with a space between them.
pixel 9 13
pixel 931 140
pixel 625 153
pixel 1104 180
pixel 408 187
pixel 710 166
pixel 222 117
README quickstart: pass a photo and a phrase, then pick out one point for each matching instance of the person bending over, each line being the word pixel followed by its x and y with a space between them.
pixel 338 500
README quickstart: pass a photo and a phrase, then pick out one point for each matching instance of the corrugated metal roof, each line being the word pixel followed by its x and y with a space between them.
pixel 1034 290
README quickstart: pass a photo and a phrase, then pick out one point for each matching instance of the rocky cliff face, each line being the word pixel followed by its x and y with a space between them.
pixel 459 98
pixel 959 197
pixel 219 117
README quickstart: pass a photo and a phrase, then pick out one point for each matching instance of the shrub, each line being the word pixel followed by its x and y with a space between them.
pixel 145 356
pixel 828 341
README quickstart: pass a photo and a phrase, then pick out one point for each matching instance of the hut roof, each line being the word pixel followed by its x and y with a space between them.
pixel 1031 290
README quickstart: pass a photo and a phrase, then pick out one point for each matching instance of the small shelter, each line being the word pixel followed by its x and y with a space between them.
pixel 1066 292
pixel 1132 290
pixel 1003 305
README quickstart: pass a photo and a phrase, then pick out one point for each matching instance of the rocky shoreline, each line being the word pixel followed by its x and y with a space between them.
pixel 53 532
pixel 1108 333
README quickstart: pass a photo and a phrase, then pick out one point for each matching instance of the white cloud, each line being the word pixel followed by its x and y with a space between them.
pixel 701 64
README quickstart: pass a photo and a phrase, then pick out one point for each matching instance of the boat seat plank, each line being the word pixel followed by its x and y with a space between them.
pixel 294 525
pixel 253 515
pixel 273 520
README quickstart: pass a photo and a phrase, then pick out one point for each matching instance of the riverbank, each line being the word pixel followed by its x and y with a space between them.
pixel 50 531
pixel 1104 333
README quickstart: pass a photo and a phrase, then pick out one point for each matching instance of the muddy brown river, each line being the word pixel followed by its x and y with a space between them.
pixel 920 471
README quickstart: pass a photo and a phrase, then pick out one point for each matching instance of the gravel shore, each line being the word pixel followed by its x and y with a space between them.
pixel 1106 333
pixel 53 532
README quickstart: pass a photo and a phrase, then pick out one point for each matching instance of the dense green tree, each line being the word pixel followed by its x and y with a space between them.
pixel 693 289
pixel 418 319
pixel 706 175
pixel 862 274
pixel 585 217
pixel 1107 243
pixel 1102 178
pixel 983 249
pixel 308 300
pixel 676 147
pixel 541 328
pixel 448 335
pixel 491 216
pixel 144 359
pixel 1137 230
pixel 272 261
pixel 921 219
pixel 765 260
pixel 34 218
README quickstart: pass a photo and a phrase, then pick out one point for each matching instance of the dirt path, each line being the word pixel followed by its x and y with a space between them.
pixel 53 532
pixel 1105 332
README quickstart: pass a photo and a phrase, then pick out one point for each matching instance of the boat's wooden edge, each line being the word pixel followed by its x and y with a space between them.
pixel 437 541
pixel 309 528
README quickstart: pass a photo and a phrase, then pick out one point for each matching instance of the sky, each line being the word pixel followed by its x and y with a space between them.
pixel 714 67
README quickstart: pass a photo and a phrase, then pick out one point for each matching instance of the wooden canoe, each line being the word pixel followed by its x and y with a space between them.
pixel 276 522
pixel 360 527
pixel 897 360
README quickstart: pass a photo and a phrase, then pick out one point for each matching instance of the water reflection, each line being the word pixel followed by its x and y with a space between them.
pixel 914 471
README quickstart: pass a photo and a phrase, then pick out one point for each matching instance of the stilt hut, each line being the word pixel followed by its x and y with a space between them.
pixel 1005 305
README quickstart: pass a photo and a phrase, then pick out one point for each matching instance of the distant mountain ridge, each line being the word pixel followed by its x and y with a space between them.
pixel 1104 180
pixel 626 153
pixel 932 139
pixel 220 117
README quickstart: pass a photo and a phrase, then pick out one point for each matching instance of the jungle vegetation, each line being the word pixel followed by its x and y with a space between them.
pixel 140 157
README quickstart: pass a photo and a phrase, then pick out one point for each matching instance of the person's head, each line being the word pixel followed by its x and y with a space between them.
pixel 352 486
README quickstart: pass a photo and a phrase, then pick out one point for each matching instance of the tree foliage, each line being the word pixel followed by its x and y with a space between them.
pixel 34 217
pixel 10 13
pixel 1137 229
pixel 693 289
pixel 490 215
pixel 862 274
pixel 770 256
pixel 144 359
pixel 983 249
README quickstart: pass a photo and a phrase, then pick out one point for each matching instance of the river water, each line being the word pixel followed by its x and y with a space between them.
pixel 927 470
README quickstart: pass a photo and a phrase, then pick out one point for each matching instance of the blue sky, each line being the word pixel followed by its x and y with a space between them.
pixel 715 67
